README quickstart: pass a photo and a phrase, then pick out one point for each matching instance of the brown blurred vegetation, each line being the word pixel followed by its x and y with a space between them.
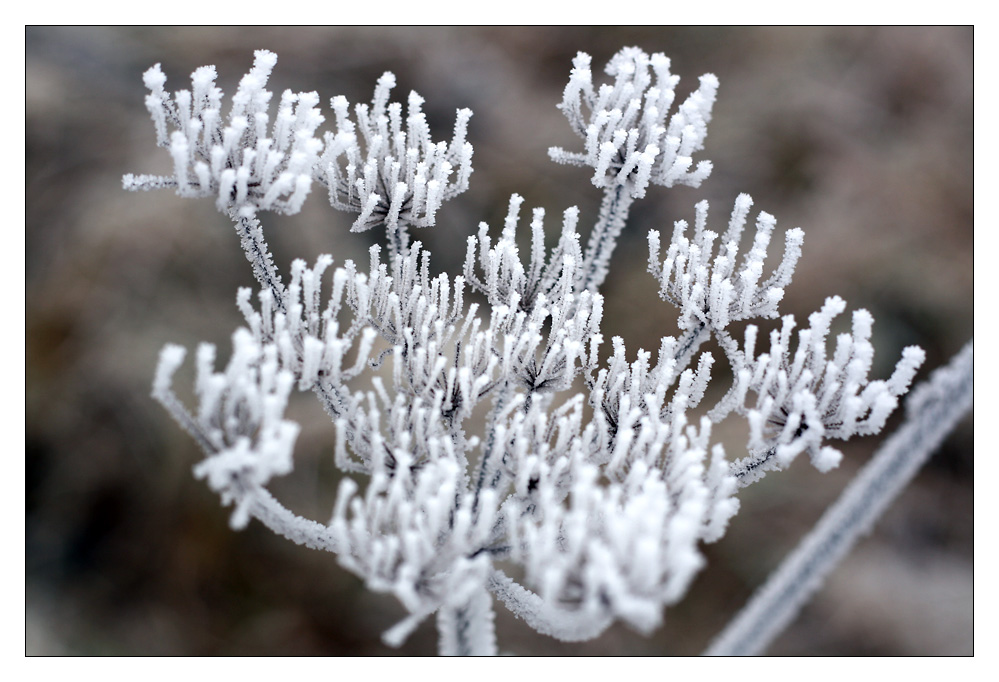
pixel 862 136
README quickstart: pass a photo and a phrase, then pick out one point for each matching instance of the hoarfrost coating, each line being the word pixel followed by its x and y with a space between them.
pixel 597 479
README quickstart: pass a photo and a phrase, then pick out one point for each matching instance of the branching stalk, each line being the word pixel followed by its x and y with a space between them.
pixel 689 343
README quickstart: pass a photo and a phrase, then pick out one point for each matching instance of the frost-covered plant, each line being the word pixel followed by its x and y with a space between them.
pixel 596 479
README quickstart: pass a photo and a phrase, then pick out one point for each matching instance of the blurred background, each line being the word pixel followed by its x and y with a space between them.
pixel 861 136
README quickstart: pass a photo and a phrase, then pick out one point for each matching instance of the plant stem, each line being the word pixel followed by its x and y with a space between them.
pixel 566 626
pixel 689 343
pixel 251 238
pixel 613 214
pixel 282 521
pixel 398 240
pixel 468 630
pixel 934 409
pixel 486 465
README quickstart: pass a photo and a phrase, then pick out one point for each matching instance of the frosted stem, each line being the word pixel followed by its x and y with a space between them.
pixel 286 523
pixel 251 238
pixel 934 409
pixel 486 465
pixel 468 630
pixel 397 237
pixel 613 214
pixel 689 343
pixel 542 616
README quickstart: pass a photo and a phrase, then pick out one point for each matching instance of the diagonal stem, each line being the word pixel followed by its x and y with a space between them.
pixel 689 343
pixel 934 409
pixel 603 239
pixel 251 238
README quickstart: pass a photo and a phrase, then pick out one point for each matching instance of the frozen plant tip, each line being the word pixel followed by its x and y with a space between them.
pixel 596 480
pixel 392 175
pixel 243 162
pixel 805 398
pixel 627 137
pixel 712 290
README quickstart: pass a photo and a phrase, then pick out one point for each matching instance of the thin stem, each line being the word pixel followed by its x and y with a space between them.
pixel 486 465
pixel 934 409
pixel 613 214
pixel 251 238
pixel 549 620
pixel 749 470
pixel 689 343
pixel 468 630
pixel 398 239
pixel 282 521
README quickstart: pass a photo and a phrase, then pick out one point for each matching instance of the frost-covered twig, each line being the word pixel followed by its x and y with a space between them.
pixel 933 410
pixel 543 616
pixel 468 630
pixel 251 238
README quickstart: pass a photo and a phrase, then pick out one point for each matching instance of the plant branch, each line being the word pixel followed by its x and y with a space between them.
pixel 282 521
pixel 251 238
pixel 468 630
pixel 613 214
pixel 689 343
pixel 542 616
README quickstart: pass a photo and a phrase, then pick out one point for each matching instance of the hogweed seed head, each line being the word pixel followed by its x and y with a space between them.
pixel 598 477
